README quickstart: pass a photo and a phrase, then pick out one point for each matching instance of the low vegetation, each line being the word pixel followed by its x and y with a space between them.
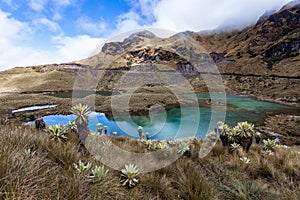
pixel 54 164
pixel 33 165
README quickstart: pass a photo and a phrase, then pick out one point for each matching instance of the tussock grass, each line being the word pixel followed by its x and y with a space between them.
pixel 32 166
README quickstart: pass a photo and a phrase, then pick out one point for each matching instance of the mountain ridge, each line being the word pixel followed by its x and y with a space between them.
pixel 254 43
pixel 261 60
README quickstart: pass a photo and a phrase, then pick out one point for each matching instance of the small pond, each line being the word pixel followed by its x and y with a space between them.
pixel 166 124
pixel 34 108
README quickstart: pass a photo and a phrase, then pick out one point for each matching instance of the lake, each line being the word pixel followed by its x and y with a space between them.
pixel 166 125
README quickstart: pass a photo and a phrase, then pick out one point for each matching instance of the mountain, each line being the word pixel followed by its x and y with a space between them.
pixel 268 48
pixel 261 60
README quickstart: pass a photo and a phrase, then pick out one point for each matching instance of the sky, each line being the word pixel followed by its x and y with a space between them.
pixel 34 32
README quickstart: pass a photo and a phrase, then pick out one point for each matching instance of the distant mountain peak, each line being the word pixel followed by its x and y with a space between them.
pixel 265 16
pixel 135 37
pixel 291 4
pixel 145 33
pixel 268 13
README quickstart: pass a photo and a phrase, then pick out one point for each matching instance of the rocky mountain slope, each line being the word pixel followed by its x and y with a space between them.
pixel 261 60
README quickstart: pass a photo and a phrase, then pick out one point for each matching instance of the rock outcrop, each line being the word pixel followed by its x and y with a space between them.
pixel 284 49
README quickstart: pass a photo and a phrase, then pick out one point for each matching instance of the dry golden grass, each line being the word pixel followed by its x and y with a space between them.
pixel 47 172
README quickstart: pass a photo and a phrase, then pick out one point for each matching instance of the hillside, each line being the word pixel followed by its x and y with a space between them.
pixel 261 60
pixel 148 117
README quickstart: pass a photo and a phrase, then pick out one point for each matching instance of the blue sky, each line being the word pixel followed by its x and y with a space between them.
pixel 53 31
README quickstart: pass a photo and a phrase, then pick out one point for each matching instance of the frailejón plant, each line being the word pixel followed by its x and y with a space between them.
pixel 129 175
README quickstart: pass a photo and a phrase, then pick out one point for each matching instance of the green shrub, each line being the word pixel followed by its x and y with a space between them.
pixel 82 168
pixel 57 133
pixel 98 172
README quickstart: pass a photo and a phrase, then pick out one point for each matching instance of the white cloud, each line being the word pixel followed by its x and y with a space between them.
pixel 37 5
pixel 54 6
pixel 198 15
pixel 194 15
pixel 18 55
pixel 58 6
pixel 147 7
pixel 46 24
pixel 14 52
pixel 15 32
pixel 128 22
pixel 12 29
pixel 91 27
pixel 76 48
pixel 57 16
pixel 67 49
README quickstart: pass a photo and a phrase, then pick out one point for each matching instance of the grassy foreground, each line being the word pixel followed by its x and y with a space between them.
pixel 34 166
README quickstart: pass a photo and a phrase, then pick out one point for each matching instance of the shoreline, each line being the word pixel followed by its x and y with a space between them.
pixel 64 105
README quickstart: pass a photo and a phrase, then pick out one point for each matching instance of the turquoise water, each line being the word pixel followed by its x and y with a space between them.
pixel 181 122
